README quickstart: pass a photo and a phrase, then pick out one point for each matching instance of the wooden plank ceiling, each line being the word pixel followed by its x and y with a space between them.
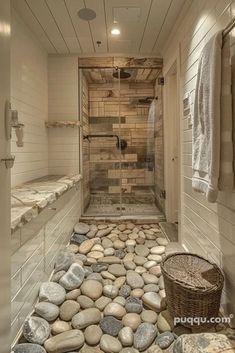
pixel 145 25
pixel 106 75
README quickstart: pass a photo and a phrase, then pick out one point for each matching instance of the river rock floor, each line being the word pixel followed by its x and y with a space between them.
pixel 106 295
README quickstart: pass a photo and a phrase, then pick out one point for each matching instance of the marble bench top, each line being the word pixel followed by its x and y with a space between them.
pixel 29 199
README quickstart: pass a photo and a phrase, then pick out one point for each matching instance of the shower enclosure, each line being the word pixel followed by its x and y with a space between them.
pixel 118 141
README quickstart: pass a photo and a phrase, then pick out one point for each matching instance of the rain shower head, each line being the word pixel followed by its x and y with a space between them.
pixel 123 74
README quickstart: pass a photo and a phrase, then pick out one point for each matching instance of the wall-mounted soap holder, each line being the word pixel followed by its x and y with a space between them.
pixel 12 121
pixel 9 161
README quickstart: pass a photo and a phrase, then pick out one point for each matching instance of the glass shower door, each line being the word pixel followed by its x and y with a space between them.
pixel 137 112
pixel 102 138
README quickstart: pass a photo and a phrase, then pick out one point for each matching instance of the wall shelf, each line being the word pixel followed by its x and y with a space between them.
pixel 65 123
pixel 107 116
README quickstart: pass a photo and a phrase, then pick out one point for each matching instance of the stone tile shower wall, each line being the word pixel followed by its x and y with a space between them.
pixel 136 174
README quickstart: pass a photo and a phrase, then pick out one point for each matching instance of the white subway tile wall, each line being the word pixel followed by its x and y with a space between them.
pixel 28 96
pixel 33 256
pixel 208 229
pixel 63 105
pixel 62 88
pixel 36 244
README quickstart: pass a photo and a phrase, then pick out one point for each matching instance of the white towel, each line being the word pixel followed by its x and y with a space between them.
pixel 233 100
pixel 208 162
pixel 226 177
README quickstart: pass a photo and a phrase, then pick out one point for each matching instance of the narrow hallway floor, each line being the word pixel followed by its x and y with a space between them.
pixel 107 295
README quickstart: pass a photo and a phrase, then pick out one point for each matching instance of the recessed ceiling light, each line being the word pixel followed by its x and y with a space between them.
pixel 115 31
pixel 86 14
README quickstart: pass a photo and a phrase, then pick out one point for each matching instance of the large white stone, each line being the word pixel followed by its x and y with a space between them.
pixel 73 278
pixel 115 309
pixel 52 292
pixel 153 301
pixel 158 250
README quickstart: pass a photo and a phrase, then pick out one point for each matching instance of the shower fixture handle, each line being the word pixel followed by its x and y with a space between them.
pixel 86 137
pixel 121 144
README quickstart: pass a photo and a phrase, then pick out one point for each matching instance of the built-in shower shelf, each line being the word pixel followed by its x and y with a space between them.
pixel 64 123
pixel 107 116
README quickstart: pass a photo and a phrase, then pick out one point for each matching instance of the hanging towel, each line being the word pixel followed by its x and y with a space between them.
pixel 226 176
pixel 233 107
pixel 212 145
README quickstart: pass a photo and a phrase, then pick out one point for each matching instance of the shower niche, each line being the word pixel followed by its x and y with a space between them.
pixel 119 109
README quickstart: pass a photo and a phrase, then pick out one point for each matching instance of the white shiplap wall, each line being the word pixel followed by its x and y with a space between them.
pixel 208 229
pixel 29 96
pixel 63 105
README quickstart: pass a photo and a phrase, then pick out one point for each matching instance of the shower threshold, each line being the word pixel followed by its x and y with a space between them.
pixel 134 219
pixel 142 212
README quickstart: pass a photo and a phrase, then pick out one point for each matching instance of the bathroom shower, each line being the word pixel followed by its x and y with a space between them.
pixel 116 135
pixel 122 74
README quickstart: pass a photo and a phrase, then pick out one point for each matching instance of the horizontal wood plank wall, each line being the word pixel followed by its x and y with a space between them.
pixel 129 62
pixel 29 97
pixel 62 106
pixel 208 229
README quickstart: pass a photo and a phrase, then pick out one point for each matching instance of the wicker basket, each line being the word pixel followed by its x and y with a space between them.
pixel 193 287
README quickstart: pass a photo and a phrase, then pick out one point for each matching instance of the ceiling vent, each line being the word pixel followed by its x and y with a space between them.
pixel 86 14
pixel 126 14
